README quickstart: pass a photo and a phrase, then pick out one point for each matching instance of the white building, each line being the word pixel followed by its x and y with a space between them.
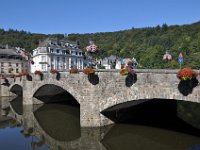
pixel 56 55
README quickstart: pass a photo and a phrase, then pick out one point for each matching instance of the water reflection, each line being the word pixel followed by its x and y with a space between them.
pixel 142 138
pixel 57 127
pixel 60 121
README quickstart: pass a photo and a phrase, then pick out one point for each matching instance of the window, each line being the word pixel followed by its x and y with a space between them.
pixel 63 59
pixel 67 51
pixel 10 70
pixel 17 64
pixel 3 56
pixel 17 70
pixel 9 64
pixel 57 51
pixel 63 52
pixel 2 64
pixel 43 67
pixel 43 58
pixel 52 59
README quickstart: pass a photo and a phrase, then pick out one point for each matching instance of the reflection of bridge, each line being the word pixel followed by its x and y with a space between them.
pixel 38 122
pixel 69 136
pixel 101 91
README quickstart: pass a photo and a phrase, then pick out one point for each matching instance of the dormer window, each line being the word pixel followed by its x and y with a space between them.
pixel 67 52
pixel 63 52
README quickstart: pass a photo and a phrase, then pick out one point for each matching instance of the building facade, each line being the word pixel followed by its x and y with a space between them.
pixel 50 55
pixel 13 61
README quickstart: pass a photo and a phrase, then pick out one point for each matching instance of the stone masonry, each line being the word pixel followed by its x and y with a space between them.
pixel 110 90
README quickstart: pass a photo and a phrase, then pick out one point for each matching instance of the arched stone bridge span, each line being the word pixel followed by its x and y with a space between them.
pixel 104 90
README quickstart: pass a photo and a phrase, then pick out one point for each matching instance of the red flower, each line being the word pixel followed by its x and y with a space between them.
pixel 88 71
pixel 186 74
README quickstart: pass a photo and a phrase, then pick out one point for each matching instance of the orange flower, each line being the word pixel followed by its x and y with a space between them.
pixel 186 74
pixel 124 72
pixel 88 71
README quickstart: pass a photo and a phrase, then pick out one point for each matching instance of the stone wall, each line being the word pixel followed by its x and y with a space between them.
pixel 108 88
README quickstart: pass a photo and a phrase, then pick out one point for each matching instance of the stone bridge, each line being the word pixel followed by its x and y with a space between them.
pixel 99 92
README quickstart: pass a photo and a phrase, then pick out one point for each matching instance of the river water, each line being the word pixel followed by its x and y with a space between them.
pixel 56 126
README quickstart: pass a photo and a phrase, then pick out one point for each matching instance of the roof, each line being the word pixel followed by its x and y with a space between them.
pixel 8 52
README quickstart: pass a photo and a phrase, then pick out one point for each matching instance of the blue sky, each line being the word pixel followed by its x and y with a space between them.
pixel 91 16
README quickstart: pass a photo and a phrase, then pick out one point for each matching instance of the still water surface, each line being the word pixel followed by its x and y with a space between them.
pixel 57 127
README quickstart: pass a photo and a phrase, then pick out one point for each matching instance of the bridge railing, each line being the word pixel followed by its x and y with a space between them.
pixel 48 75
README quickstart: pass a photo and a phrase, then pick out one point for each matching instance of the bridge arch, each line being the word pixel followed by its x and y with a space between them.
pixel 16 89
pixel 53 93
pixel 149 91
pixel 56 87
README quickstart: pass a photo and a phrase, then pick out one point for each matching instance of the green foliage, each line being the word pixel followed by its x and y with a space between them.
pixel 23 39
pixel 147 45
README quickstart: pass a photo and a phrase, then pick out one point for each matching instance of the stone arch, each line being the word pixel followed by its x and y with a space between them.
pixel 73 91
pixel 138 92
pixel 16 89
pixel 151 91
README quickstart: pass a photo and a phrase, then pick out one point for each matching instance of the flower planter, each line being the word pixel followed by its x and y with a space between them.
pixel 73 71
pixel 38 75
pixel 55 74
pixel 188 81
pixel 88 71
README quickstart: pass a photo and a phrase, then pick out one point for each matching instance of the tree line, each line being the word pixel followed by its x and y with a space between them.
pixel 147 45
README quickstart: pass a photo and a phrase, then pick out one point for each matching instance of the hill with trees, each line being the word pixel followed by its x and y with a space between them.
pixel 147 45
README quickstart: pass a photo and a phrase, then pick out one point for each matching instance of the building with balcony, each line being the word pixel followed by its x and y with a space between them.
pixel 58 55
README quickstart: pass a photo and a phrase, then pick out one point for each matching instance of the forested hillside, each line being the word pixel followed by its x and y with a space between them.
pixel 23 39
pixel 147 45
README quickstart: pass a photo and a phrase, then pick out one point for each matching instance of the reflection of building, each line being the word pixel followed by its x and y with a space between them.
pixel 56 55
pixel 13 61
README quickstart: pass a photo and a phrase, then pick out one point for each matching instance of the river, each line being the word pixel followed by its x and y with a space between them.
pixel 56 126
